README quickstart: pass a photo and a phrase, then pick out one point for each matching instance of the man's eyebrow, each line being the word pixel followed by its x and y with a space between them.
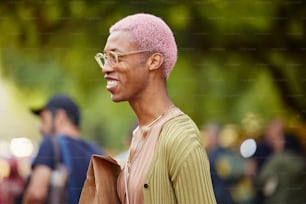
pixel 113 50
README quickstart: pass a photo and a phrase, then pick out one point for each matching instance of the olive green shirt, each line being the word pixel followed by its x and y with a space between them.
pixel 179 172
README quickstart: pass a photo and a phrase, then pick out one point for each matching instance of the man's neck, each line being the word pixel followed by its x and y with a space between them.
pixel 148 110
pixel 69 131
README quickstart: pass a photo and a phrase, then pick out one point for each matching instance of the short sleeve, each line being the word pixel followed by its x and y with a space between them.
pixel 45 154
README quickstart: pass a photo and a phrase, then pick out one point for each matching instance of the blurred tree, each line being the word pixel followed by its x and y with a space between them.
pixel 234 56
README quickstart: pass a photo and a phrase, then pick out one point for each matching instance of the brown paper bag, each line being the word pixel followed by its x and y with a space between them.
pixel 100 186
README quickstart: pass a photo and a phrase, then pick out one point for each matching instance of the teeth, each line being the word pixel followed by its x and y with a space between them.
pixel 112 83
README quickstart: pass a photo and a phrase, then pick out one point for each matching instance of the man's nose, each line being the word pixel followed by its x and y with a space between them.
pixel 107 68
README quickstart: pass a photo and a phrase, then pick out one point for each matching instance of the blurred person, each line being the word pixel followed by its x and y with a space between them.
pixel 229 170
pixel 274 134
pixel 12 186
pixel 218 156
pixel 60 118
pixel 263 151
pixel 166 162
pixel 267 144
pixel 282 177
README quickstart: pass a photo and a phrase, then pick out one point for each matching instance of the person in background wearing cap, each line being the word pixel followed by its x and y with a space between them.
pixel 60 118
pixel 166 163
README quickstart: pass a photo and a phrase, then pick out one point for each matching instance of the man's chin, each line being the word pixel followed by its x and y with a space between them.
pixel 116 99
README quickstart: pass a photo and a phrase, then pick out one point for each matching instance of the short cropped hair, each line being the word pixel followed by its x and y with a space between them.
pixel 151 33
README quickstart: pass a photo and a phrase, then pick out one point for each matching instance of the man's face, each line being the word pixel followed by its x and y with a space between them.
pixel 46 122
pixel 126 80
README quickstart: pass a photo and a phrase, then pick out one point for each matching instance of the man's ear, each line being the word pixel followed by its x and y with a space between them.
pixel 155 61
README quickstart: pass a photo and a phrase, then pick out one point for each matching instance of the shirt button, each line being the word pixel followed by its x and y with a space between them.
pixel 146 185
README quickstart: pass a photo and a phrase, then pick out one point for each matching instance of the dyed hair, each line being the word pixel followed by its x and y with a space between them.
pixel 151 33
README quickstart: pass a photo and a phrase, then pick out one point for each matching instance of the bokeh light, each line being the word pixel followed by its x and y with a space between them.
pixel 248 148
pixel 229 136
pixel 4 168
pixel 21 147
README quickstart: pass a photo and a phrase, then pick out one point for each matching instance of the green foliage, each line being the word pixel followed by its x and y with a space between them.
pixel 234 57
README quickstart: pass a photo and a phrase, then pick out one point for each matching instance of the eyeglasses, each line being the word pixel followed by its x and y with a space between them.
pixel 112 58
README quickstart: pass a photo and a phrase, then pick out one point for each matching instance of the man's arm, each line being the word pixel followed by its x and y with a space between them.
pixel 38 186
pixel 193 184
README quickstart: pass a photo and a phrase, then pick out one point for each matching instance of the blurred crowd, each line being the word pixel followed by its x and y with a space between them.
pixel 12 179
pixel 272 171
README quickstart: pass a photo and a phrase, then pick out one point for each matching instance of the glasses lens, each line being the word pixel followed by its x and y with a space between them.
pixel 100 59
pixel 112 58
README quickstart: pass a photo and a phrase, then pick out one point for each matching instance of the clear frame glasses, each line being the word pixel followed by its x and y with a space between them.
pixel 112 58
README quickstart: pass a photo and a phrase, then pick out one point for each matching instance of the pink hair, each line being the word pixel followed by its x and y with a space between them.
pixel 151 33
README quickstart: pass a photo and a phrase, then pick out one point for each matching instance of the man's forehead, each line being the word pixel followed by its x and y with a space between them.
pixel 119 40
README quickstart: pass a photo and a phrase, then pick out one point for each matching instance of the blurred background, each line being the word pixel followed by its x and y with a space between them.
pixel 240 64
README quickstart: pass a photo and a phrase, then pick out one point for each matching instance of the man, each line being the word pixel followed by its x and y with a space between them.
pixel 166 161
pixel 282 176
pixel 60 119
pixel 218 156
